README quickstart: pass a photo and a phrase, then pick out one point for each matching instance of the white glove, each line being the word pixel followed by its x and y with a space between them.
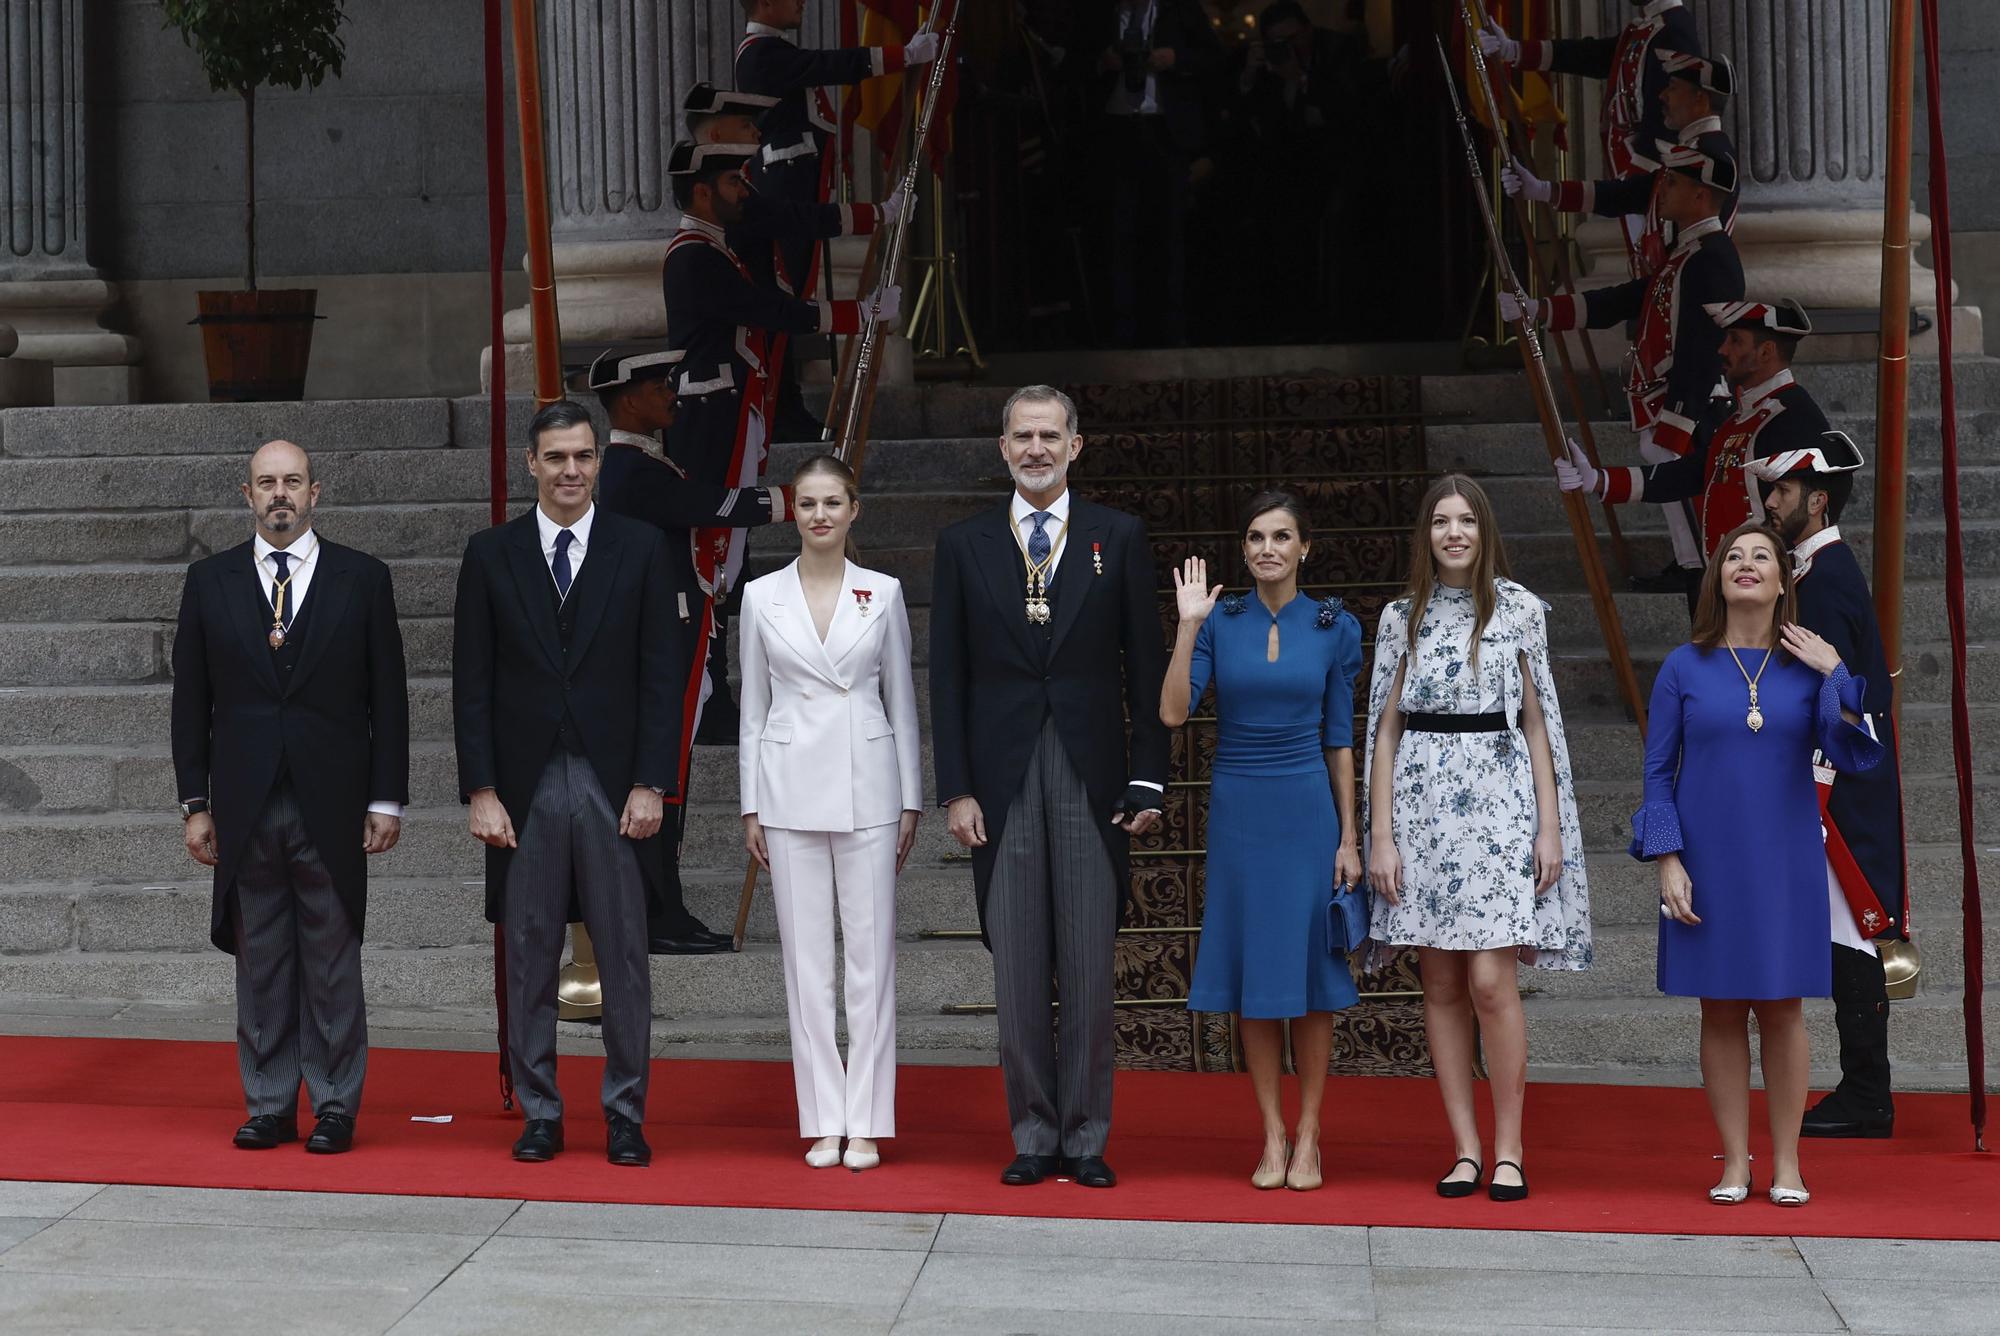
pixel 1519 182
pixel 1494 41
pixel 1574 473
pixel 1511 309
pixel 922 50
pixel 888 303
pixel 892 207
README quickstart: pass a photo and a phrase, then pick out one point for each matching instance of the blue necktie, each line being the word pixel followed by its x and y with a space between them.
pixel 281 592
pixel 560 566
pixel 1038 541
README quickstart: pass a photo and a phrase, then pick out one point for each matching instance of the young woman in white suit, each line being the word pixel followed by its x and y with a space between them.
pixel 832 792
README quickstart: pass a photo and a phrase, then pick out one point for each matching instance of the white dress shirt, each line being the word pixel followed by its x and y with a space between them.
pixel 579 533
pixel 1054 526
pixel 304 554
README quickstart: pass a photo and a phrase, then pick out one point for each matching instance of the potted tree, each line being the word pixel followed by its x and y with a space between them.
pixel 258 341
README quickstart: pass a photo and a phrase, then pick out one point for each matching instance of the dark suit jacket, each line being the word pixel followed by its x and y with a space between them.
pixel 995 678
pixel 619 683
pixel 1181 26
pixel 339 728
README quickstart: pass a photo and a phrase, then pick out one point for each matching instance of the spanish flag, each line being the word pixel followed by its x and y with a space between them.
pixel 878 103
pixel 1527 20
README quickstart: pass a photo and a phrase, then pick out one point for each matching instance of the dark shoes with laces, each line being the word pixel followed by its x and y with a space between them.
pixel 333 1134
pixel 624 1143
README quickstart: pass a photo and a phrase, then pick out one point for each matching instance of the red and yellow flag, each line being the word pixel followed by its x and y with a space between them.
pixel 878 103
pixel 1526 20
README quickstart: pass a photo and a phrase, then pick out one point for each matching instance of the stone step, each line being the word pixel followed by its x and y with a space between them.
pixel 1531 503
pixel 152 593
pixel 1636 1034
pixel 1548 560
pixel 1930 808
pixel 1661 620
pixel 403 912
pixel 1842 388
pixel 929 977
pixel 1625 958
pixel 1518 447
pixel 124 431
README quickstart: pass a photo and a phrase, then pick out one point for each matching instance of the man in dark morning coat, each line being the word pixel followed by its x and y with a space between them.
pixel 566 671
pixel 1031 682
pixel 291 743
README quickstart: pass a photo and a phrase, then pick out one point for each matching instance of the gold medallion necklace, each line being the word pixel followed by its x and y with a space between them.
pixel 1755 718
pixel 1037 602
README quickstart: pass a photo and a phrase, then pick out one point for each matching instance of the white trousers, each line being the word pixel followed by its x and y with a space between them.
pixel 859 1099
pixel 1680 529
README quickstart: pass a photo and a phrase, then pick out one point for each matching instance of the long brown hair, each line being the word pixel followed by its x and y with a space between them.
pixel 1711 614
pixel 833 466
pixel 1489 561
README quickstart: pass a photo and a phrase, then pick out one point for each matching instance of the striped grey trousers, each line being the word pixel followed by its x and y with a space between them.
pixel 1052 919
pixel 299 1008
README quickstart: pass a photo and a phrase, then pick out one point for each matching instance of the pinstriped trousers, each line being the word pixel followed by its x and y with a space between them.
pixel 299 1007
pixel 1052 920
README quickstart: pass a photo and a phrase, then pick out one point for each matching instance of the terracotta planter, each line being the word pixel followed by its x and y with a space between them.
pixel 257 343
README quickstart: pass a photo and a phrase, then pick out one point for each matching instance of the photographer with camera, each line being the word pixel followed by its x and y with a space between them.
pixel 1153 57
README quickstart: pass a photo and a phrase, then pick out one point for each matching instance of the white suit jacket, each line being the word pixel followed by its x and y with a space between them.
pixel 828 739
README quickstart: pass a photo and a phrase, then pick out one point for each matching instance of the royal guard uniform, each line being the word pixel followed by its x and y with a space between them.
pixel 1775 416
pixel 795 167
pixel 1677 349
pixel 1631 116
pixel 1867 875
pixel 721 322
pixel 638 479
pixel 1626 196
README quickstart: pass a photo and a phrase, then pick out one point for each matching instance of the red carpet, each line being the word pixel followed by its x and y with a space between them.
pixel 1617 1158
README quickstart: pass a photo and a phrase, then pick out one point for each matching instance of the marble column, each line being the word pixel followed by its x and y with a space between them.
pixel 1810 125
pixel 613 76
pixel 51 294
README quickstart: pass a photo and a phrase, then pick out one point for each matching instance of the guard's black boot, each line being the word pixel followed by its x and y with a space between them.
pixel 1861 1105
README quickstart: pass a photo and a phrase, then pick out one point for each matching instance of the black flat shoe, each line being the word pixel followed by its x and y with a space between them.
pixel 624 1143
pixel 541 1141
pixel 267 1131
pixel 703 944
pixel 1451 1187
pixel 1499 1191
pixel 1831 1120
pixel 332 1135
pixel 1027 1170
pixel 1091 1171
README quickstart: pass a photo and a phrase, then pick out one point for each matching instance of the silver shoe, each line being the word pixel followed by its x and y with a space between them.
pixel 1732 1196
pixel 1789 1196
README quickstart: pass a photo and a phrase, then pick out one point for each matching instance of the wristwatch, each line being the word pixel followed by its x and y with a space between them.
pixel 193 807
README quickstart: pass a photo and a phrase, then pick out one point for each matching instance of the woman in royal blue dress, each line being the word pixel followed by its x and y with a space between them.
pixel 1732 815
pixel 1281 828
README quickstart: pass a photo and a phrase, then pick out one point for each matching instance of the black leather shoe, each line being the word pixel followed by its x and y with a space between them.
pixel 1029 1169
pixel 1499 1191
pixel 701 944
pixel 541 1141
pixel 333 1134
pixel 1091 1171
pixel 624 1143
pixel 267 1131
pixel 1827 1119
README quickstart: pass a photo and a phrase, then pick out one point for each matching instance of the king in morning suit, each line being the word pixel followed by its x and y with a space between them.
pixel 1044 632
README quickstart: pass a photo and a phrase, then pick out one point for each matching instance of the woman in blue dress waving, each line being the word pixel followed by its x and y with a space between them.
pixel 1281 828
pixel 1732 815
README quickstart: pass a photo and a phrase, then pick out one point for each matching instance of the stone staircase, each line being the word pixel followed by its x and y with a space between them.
pixel 100 509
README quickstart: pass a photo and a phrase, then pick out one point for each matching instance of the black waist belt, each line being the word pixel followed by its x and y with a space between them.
pixel 1495 722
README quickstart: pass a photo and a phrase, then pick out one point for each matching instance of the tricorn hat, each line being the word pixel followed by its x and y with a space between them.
pixel 1783 316
pixel 1712 75
pixel 1835 452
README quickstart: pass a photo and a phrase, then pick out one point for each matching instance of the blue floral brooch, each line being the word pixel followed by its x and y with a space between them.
pixel 1329 612
pixel 1232 603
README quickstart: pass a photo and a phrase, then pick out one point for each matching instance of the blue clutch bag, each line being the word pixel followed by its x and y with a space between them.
pixel 1347 919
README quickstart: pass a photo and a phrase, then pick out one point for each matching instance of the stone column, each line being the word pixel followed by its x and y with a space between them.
pixel 1810 125
pixel 50 292
pixel 613 76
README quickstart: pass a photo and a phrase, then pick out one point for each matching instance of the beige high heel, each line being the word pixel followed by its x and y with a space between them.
pixel 1266 1179
pixel 1298 1180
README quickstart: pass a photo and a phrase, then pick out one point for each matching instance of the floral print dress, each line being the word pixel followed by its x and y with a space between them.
pixel 1463 804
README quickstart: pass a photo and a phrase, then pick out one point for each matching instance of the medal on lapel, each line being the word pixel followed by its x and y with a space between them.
pixel 1097 558
pixel 861 600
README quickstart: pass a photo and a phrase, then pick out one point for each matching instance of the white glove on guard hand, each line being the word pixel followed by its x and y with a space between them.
pixel 1512 310
pixel 1574 473
pixel 1495 43
pixel 1519 182
pixel 922 50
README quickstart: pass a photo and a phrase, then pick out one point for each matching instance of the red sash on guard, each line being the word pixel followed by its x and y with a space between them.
pixel 1869 916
